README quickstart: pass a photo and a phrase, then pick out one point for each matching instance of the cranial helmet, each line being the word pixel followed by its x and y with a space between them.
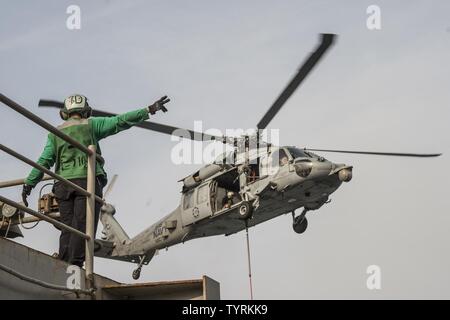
pixel 75 103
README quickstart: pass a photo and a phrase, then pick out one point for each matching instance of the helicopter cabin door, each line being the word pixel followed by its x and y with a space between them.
pixel 196 204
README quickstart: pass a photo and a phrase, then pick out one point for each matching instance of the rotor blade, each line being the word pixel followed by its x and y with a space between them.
pixel 51 103
pixel 308 65
pixel 110 186
pixel 396 154
pixel 162 128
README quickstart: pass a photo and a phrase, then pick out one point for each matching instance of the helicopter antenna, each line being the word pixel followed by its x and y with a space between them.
pixel 110 186
pixel 249 263
pixel 235 147
pixel 247 148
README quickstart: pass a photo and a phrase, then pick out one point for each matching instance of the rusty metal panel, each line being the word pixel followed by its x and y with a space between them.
pixel 162 290
pixel 40 266
pixel 35 264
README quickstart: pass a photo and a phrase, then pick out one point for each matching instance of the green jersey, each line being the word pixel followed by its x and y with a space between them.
pixel 71 163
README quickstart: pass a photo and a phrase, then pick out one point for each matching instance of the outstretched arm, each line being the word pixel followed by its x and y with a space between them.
pixel 47 160
pixel 106 126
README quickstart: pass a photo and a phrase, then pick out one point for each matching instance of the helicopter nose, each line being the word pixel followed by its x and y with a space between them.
pixel 346 174
pixel 313 169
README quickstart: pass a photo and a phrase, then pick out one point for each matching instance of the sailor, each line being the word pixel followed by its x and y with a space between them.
pixel 71 164
pixel 227 201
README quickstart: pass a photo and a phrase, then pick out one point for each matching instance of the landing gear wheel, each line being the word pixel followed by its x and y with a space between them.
pixel 245 211
pixel 300 225
pixel 136 273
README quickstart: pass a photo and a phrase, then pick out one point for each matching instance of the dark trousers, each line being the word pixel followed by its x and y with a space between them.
pixel 72 209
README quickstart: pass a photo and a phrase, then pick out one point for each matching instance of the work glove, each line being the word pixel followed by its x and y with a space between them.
pixel 26 191
pixel 158 105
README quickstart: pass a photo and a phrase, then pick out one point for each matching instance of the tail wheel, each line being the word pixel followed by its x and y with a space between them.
pixel 136 273
pixel 245 211
pixel 300 225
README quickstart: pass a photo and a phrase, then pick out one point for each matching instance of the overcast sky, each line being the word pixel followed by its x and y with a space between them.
pixel 224 62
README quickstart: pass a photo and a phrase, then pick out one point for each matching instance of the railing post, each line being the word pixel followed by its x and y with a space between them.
pixel 90 218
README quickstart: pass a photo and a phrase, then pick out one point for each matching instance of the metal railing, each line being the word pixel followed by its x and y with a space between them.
pixel 91 197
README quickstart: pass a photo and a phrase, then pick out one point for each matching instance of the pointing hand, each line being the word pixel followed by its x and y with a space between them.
pixel 158 105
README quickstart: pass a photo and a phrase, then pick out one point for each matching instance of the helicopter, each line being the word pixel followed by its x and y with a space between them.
pixel 253 184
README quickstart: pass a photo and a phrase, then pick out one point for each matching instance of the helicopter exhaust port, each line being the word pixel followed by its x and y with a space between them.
pixel 345 175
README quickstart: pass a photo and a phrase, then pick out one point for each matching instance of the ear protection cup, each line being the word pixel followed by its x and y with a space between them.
pixel 85 114
pixel 88 112
pixel 63 115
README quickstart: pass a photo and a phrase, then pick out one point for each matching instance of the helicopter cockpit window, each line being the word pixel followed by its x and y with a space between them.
pixel 188 201
pixel 298 153
pixel 279 158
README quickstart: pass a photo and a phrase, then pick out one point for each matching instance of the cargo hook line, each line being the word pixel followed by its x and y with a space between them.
pixel 248 258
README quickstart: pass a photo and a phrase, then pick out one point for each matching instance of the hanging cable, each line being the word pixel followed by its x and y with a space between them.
pixel 90 292
pixel 42 188
pixel 249 263
pixel 37 222
pixel 27 228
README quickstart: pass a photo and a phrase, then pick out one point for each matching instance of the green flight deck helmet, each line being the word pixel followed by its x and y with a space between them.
pixel 75 103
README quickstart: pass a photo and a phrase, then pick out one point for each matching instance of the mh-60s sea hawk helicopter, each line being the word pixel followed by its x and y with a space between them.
pixel 256 183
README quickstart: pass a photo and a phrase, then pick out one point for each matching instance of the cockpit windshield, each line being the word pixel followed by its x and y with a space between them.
pixel 299 153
